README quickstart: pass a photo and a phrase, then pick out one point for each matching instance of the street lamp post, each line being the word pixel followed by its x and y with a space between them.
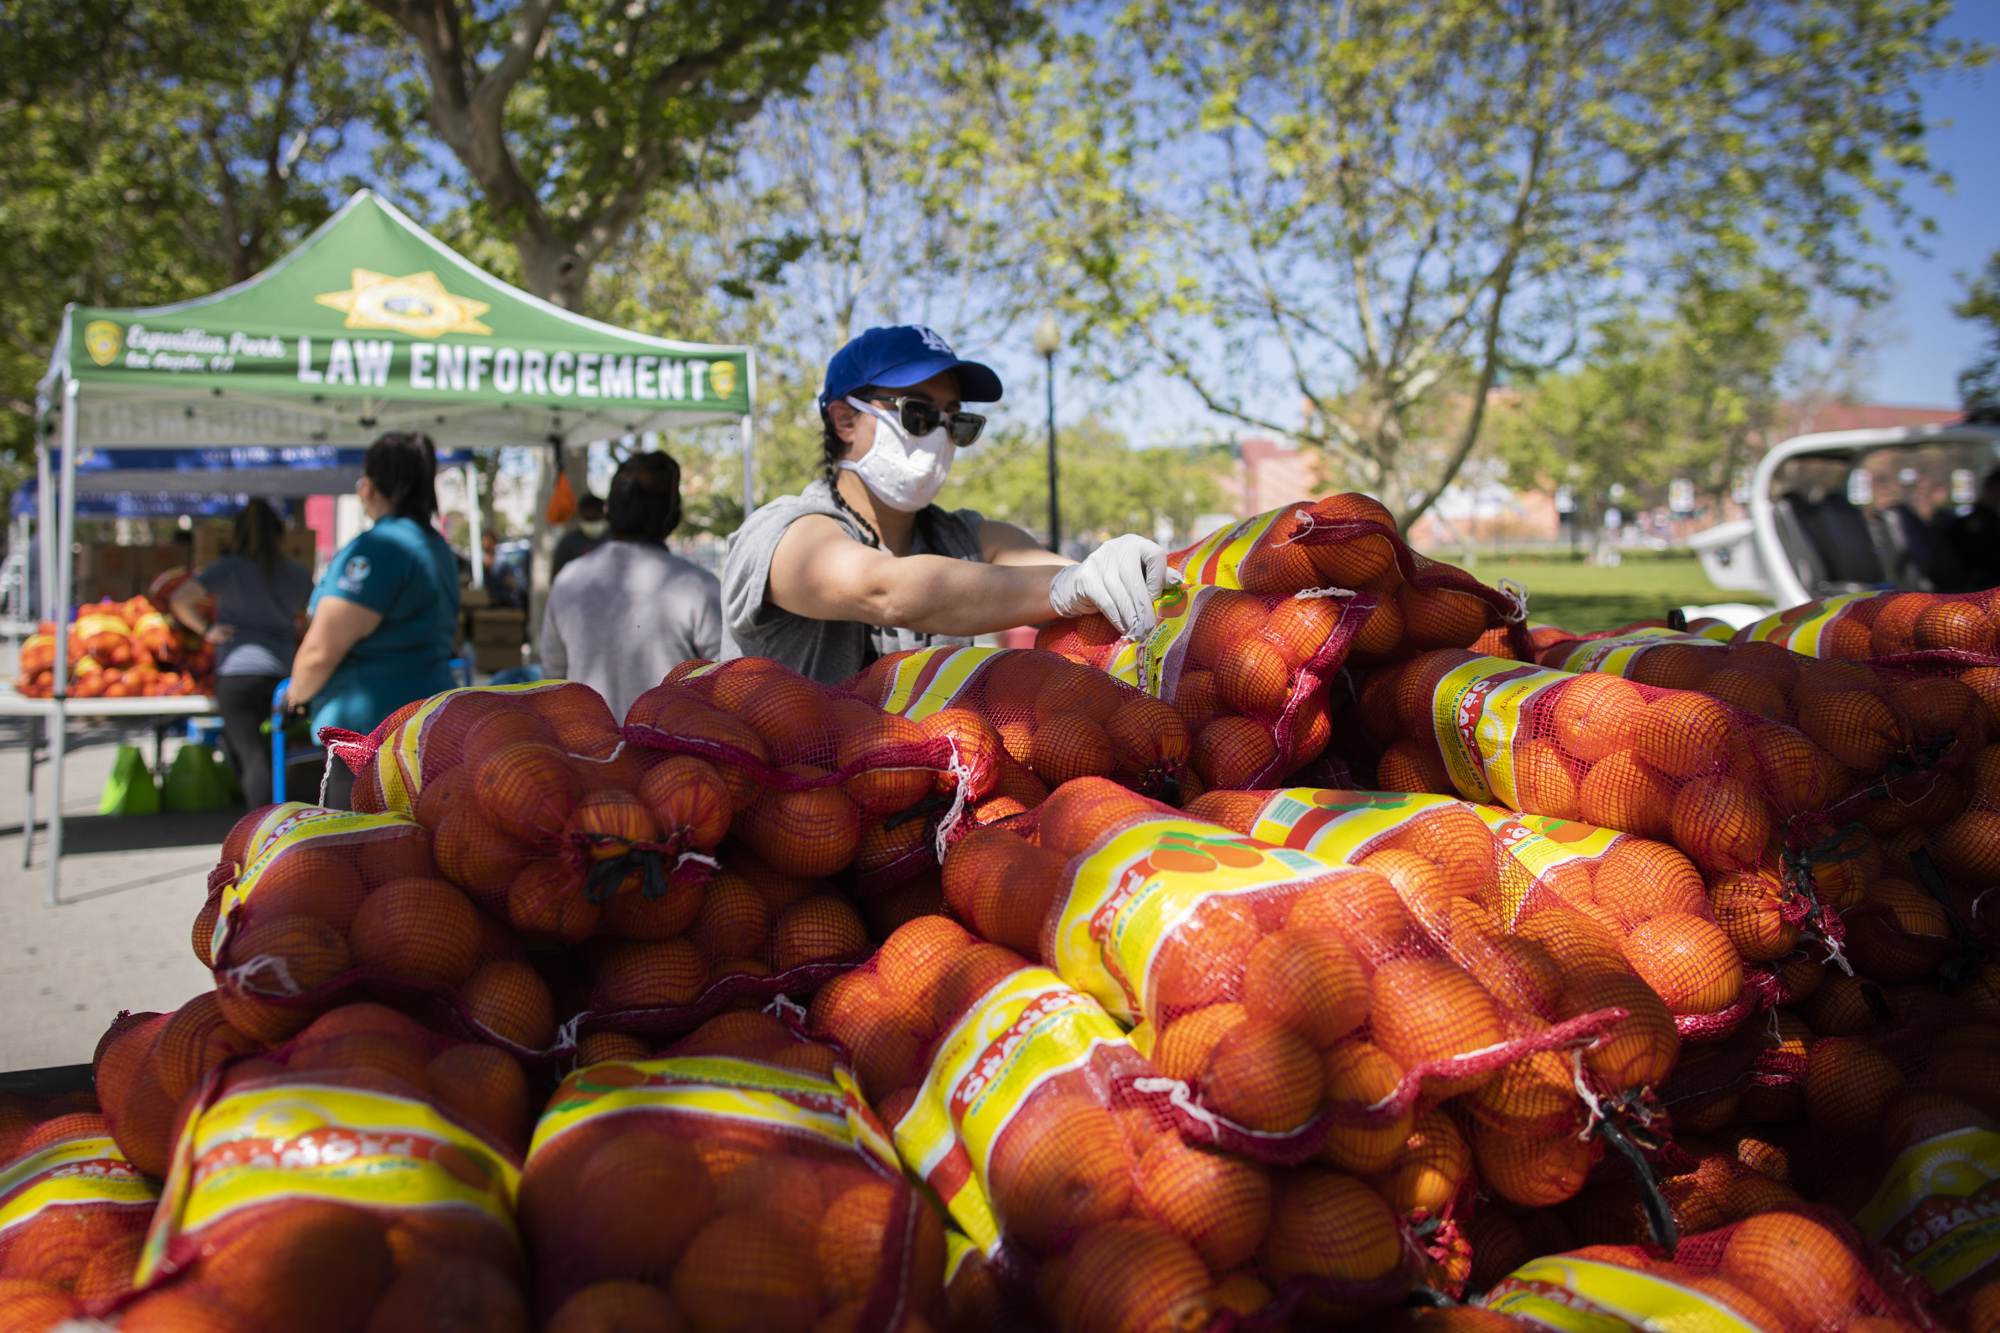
pixel 1048 339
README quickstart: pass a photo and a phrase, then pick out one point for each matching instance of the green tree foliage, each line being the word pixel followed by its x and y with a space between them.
pixel 565 118
pixel 151 152
pixel 1979 383
pixel 1363 207
pixel 1693 395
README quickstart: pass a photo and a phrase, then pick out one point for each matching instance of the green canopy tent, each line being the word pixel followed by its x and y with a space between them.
pixel 370 324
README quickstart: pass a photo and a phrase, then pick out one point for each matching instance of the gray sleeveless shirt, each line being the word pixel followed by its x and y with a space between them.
pixel 829 651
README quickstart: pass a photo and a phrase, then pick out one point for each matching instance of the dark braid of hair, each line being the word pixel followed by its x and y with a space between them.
pixel 833 484
pixel 832 448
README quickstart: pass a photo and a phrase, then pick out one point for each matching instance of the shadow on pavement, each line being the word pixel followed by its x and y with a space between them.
pixel 83 834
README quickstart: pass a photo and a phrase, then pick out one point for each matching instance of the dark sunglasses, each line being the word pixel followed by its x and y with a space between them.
pixel 919 417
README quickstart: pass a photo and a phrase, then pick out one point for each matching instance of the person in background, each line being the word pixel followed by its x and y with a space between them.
pixel 385 614
pixel 1974 536
pixel 623 616
pixel 862 564
pixel 503 583
pixel 259 596
pixel 584 536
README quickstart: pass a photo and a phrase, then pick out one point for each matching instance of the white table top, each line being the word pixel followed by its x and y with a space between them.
pixel 15 704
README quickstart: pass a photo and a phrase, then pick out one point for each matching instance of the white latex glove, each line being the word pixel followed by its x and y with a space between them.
pixel 1120 578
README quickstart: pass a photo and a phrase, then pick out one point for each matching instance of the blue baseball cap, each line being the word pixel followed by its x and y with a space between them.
pixel 899 357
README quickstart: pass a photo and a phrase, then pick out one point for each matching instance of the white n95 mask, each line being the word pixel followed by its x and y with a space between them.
pixel 903 471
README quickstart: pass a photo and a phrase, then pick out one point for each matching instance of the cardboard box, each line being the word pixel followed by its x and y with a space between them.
pixel 496 657
pixel 496 627
pixel 211 542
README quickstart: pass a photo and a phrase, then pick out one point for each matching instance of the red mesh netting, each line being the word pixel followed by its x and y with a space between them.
pixel 732 1183
pixel 359 1177
pixel 316 903
pixel 1351 542
pixel 1244 671
pixel 1024 721
pixel 1750 801
pixel 1886 624
pixel 1485 872
pixel 1310 1008
pixel 1793 1269
pixel 73 1211
pixel 1053 1144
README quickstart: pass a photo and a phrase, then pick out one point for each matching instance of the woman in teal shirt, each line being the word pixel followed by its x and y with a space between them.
pixel 385 614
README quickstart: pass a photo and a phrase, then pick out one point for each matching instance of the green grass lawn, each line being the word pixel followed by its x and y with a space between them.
pixel 1586 597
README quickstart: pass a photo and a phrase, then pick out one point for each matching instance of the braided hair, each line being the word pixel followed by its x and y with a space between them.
pixel 834 448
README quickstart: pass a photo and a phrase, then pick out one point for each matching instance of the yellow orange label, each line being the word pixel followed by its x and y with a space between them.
pixel 1127 898
pixel 302 823
pixel 1217 559
pixel 311 1141
pixel 1337 825
pixel 399 763
pixel 80 1171
pixel 1476 713
pixel 716 1087
pixel 1802 628
pixel 1144 664
pixel 930 679
pixel 1938 1209
pixel 1614 657
pixel 1024 1032
pixel 958 1251
pixel 1343 827
pixel 1584 1296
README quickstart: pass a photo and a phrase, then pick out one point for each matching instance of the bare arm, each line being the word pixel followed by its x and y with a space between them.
pixel 820 572
pixel 336 627
pixel 182 604
pixel 1005 544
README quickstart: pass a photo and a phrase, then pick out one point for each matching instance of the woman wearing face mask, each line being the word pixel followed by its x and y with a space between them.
pixel 863 564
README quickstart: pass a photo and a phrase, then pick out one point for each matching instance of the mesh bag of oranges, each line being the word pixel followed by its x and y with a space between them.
pixel 737 1182
pixel 809 773
pixel 1463 867
pixel 328 900
pixel 1745 798
pixel 1791 1270
pixel 73 1212
pixel 532 797
pixel 1024 721
pixel 1243 671
pixel 360 1177
pixel 1351 542
pixel 1303 1004
pixel 1055 1148
pixel 145 1067
pixel 1885 625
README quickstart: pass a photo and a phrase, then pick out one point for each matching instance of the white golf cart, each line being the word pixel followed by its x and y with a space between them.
pixel 1852 511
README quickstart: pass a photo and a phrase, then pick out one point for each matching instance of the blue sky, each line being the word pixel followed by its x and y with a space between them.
pixel 1921 364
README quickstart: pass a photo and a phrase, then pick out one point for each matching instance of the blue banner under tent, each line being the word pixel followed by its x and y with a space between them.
pixel 246 470
pixel 150 504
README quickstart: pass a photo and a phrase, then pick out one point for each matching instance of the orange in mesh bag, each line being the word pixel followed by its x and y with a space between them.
pixel 736 1181
pixel 1303 1002
pixel 362 1177
pixel 1743 797
pixel 1351 542
pixel 329 900
pixel 1645 895
pixel 1930 626
pixel 1053 1145
pixel 73 1211
pixel 1244 672
pixel 1790 1270
pixel 1053 719
pixel 502 776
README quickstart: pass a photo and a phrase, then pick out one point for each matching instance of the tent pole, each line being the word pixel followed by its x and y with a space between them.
pixel 58 724
pixel 472 518
pixel 45 527
pixel 749 469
